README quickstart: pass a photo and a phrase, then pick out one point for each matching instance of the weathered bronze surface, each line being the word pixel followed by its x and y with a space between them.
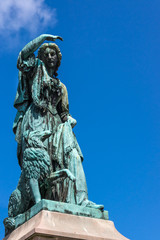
pixel 48 152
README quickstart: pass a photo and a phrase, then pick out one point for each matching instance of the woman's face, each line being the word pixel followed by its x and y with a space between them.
pixel 50 57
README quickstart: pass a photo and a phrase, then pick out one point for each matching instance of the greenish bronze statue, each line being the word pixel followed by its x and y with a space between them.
pixel 48 152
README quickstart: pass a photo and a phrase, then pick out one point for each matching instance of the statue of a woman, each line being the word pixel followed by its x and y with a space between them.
pixel 42 105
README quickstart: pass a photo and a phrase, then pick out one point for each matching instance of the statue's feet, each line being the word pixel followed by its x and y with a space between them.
pixel 90 204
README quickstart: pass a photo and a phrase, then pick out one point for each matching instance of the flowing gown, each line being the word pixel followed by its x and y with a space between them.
pixel 42 103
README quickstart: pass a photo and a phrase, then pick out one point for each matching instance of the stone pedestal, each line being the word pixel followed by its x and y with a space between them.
pixel 47 225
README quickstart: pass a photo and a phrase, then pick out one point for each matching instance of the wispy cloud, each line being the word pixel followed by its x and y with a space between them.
pixel 29 15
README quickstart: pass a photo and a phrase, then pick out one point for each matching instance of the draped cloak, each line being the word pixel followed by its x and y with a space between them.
pixel 38 108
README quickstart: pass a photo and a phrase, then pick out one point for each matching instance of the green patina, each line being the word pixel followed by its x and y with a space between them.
pixel 61 207
pixel 48 152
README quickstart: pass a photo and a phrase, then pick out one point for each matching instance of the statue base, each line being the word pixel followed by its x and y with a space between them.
pixel 47 225
pixel 53 206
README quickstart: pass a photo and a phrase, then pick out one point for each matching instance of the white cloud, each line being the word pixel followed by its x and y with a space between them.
pixel 29 15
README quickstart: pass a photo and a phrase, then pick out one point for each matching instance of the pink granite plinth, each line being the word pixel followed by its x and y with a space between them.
pixel 48 225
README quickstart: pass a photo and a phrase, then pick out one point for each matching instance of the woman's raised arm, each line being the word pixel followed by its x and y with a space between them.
pixel 32 46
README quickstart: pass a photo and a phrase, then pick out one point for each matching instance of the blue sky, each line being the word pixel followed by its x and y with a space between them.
pixel 110 65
